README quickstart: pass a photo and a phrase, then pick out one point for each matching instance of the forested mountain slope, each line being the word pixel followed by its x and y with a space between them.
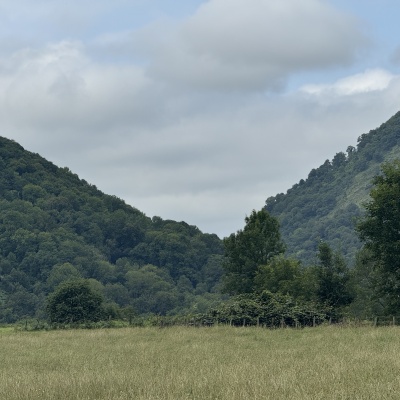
pixel 326 204
pixel 55 226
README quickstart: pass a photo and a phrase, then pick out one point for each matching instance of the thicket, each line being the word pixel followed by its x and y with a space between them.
pixel 269 310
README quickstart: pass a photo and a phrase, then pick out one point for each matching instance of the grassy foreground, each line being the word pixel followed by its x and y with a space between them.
pixel 203 363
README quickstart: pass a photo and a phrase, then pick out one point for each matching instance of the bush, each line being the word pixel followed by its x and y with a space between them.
pixel 75 302
pixel 269 309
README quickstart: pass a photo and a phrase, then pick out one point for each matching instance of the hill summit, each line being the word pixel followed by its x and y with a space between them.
pixel 326 205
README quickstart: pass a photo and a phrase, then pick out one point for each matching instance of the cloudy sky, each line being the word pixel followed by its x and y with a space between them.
pixel 196 110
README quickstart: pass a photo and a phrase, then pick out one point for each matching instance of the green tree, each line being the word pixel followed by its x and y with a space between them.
pixel 74 301
pixel 366 304
pixel 333 279
pixel 380 231
pixel 250 248
pixel 151 289
pixel 20 304
pixel 62 273
pixel 280 275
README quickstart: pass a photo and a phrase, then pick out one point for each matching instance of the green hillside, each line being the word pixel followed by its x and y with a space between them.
pixel 55 226
pixel 326 204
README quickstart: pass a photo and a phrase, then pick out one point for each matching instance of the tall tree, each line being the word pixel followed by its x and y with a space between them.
pixel 245 251
pixel 366 304
pixel 333 279
pixel 380 231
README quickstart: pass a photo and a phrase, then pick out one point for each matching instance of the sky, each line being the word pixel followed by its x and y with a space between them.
pixel 193 110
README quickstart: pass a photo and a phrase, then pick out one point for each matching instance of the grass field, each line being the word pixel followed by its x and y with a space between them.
pixel 201 363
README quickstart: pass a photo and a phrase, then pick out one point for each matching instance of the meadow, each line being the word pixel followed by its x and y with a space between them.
pixel 222 362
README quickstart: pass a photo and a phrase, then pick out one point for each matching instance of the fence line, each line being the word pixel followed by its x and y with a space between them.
pixel 203 321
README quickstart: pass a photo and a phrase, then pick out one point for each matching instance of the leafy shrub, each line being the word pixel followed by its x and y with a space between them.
pixel 75 302
pixel 269 309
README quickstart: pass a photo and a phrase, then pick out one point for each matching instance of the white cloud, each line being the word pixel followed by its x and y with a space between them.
pixel 368 81
pixel 253 44
pixel 59 87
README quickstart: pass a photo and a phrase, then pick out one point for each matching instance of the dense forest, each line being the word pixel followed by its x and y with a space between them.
pixel 55 227
pixel 326 205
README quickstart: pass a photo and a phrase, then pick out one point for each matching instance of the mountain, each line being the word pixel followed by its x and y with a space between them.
pixel 326 205
pixel 55 226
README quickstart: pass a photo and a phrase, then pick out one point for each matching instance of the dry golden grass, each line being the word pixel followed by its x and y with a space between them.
pixel 205 363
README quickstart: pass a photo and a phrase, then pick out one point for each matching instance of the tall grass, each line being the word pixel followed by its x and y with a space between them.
pixel 204 363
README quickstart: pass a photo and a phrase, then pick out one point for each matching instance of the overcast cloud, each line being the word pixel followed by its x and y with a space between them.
pixel 195 110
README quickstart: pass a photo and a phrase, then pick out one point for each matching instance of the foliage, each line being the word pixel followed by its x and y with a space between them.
pixel 367 303
pixel 380 231
pixel 249 248
pixel 286 276
pixel 269 309
pixel 73 302
pixel 333 279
